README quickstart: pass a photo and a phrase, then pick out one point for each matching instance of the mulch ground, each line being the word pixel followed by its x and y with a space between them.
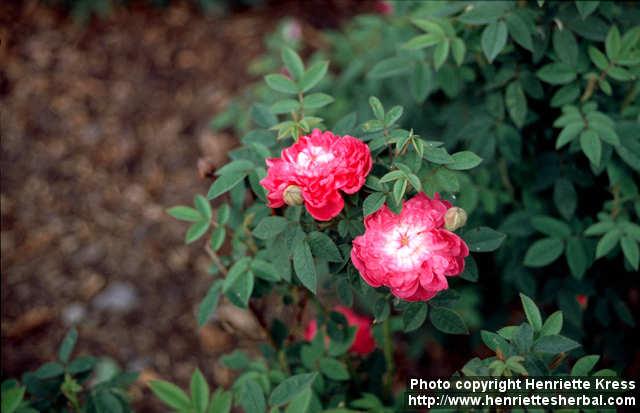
pixel 102 126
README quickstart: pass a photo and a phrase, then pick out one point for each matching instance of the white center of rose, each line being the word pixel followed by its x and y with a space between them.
pixel 313 155
pixel 406 246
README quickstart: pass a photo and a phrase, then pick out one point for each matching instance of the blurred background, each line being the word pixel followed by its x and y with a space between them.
pixel 105 112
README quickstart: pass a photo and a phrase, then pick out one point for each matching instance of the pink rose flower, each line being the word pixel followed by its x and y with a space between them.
pixel 363 342
pixel 317 167
pixel 384 7
pixel 411 253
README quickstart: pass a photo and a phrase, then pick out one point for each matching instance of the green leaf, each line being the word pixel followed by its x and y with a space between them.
pixel 399 189
pixel 630 251
pixel 584 365
pixel 586 7
pixel 485 12
pixel 565 198
pixel 300 403
pixel 317 100
pixel 372 203
pixel 414 316
pixel 49 370
pixel 322 246
pixel 67 346
pixel 223 214
pixel 458 50
pixel 447 321
pixel 196 230
pixel 265 270
pixel 238 284
pixel 483 239
pixel 185 213
pixel 199 391
pixel 391 117
pixel 240 165
pixel 390 67
pixel 377 108
pixel 569 133
pixel 494 38
pixel 209 303
pixel 613 43
pixel 251 397
pixel 263 117
pixel 551 226
pixel 470 272
pixel 577 257
pixel 81 364
pixel 281 83
pixel 225 183
pixel 422 41
pixel 203 206
pixel 217 238
pixel 598 58
pixel 429 26
pixel 440 54
pixel 269 227
pixel 516 103
pixel 557 73
pixel 304 266
pixel 543 252
pixel 290 388
pixel 292 62
pixel 532 312
pixel 552 325
pixel 464 160
pixel 333 369
pixel 220 402
pixel 554 344
pixel 12 398
pixel 438 156
pixel 170 394
pixel 600 228
pixel 591 146
pixel 519 31
pixel 421 81
pixel 565 46
pixel 313 75
pixel 285 106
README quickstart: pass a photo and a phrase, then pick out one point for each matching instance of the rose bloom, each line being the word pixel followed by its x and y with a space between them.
pixel 318 167
pixel 384 7
pixel 363 342
pixel 411 253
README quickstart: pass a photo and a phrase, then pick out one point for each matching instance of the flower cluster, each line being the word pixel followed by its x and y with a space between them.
pixel 411 252
pixel 363 342
pixel 314 170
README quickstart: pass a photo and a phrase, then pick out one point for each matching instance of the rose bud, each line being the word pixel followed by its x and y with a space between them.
pixel 455 218
pixel 293 195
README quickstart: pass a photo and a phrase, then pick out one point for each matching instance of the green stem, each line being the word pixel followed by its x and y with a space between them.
pixel 388 357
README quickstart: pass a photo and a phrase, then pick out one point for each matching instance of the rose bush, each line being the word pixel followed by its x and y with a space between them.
pixel 536 101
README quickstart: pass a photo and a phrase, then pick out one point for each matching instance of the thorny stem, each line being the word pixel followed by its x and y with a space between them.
pixel 630 97
pixel 216 259
pixel 504 174
pixel 615 209
pixel 388 357
pixel 592 83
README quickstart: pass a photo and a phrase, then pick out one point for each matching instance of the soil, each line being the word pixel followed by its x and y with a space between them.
pixel 102 126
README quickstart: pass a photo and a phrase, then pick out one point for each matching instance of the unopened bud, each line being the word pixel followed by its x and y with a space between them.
pixel 293 195
pixel 455 218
